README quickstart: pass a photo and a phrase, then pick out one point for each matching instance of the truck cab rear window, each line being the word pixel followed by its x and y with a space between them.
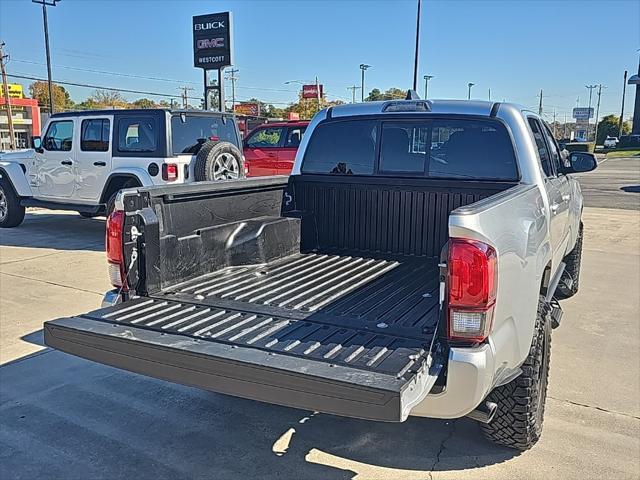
pixel 342 147
pixel 433 148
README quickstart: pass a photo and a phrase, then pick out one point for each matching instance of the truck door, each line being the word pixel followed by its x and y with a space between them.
pixel 55 171
pixel 93 160
pixel 287 154
pixel 261 151
pixel 558 209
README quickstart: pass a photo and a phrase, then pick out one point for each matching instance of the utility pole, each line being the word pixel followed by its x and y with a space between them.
pixel 5 87
pixel 595 133
pixel 45 3
pixel 363 67
pixel 318 92
pixel 554 123
pixel 624 90
pixel 489 94
pixel 469 91
pixel 564 127
pixel 540 104
pixel 233 78
pixel 415 61
pixel 185 96
pixel 353 89
pixel 426 85
pixel 590 88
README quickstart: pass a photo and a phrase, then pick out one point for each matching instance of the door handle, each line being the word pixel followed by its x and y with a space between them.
pixel 66 162
pixel 271 154
pixel 100 164
pixel 554 207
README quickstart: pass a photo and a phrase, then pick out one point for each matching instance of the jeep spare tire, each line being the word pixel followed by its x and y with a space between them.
pixel 218 161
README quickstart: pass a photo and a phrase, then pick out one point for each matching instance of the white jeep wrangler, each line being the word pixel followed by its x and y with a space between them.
pixel 85 158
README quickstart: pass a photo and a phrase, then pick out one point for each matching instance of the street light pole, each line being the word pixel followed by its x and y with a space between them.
pixel 590 87
pixel 469 93
pixel 44 4
pixel 624 90
pixel 415 60
pixel 363 67
pixel 426 85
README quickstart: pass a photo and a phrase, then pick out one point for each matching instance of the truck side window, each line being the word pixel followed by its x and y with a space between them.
pixel 556 156
pixel 294 137
pixel 59 137
pixel 342 147
pixel 138 134
pixel 95 135
pixel 543 152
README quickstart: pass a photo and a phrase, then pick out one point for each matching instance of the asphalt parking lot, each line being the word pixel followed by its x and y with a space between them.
pixel 66 418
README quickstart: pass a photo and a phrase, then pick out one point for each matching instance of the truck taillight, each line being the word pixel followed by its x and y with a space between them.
pixel 114 249
pixel 472 282
pixel 169 172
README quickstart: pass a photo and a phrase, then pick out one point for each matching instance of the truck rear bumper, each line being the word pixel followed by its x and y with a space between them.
pixel 246 372
pixel 470 377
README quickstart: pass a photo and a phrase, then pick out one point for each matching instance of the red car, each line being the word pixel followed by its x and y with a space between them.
pixel 270 149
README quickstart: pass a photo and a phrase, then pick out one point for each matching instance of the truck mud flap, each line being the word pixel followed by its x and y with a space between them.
pixel 296 363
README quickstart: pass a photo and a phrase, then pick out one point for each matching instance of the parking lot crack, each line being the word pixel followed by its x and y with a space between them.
pixel 441 449
pixel 30 258
pixel 52 283
pixel 595 407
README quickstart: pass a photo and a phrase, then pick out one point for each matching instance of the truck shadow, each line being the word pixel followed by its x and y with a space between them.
pixel 65 417
pixel 56 230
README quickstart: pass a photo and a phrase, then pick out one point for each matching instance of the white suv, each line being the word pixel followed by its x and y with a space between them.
pixel 85 158
pixel 610 142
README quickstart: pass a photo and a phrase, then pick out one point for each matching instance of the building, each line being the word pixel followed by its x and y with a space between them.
pixel 26 118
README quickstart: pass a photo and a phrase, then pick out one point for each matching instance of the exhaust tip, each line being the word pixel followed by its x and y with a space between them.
pixel 484 413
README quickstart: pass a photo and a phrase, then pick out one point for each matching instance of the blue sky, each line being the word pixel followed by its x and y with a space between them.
pixel 515 48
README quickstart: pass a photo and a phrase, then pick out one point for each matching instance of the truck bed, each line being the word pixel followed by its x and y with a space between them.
pixel 292 331
pixel 397 297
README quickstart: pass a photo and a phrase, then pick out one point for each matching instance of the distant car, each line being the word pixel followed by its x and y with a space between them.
pixel 611 142
pixel 270 149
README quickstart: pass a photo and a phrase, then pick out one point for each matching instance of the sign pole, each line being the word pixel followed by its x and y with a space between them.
pixel 206 91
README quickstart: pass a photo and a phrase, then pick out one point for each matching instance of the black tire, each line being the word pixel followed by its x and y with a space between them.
pixel 86 215
pixel 111 204
pixel 520 413
pixel 11 212
pixel 218 161
pixel 572 261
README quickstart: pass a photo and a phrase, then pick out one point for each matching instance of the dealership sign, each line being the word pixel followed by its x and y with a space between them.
pixel 311 91
pixel 212 41
pixel 248 108
pixel 583 113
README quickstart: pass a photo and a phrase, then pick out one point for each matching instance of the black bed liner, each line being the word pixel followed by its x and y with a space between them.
pixel 289 332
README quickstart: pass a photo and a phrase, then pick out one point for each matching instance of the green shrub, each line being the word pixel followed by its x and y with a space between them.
pixel 581 147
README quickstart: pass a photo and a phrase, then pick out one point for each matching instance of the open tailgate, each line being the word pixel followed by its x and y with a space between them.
pixel 296 363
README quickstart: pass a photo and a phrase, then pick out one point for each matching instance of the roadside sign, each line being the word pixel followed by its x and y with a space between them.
pixel 293 116
pixel 311 91
pixel 583 113
pixel 212 41
pixel 248 108
pixel 15 90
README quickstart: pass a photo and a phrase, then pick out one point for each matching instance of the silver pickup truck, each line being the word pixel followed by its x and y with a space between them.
pixel 410 265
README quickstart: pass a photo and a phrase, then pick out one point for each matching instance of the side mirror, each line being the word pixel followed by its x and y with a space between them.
pixel 581 162
pixel 36 143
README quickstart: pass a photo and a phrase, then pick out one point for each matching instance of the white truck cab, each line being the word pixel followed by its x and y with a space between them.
pixel 85 158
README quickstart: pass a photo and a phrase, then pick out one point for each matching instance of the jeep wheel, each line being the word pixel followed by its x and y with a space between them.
pixel 572 262
pixel 218 161
pixel 520 413
pixel 11 212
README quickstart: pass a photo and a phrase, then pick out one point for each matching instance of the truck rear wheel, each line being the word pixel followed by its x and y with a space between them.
pixel 11 212
pixel 520 412
pixel 572 269
pixel 218 161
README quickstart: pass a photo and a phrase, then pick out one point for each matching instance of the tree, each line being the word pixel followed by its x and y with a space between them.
pixel 144 103
pixel 61 99
pixel 108 99
pixel 608 126
pixel 392 93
